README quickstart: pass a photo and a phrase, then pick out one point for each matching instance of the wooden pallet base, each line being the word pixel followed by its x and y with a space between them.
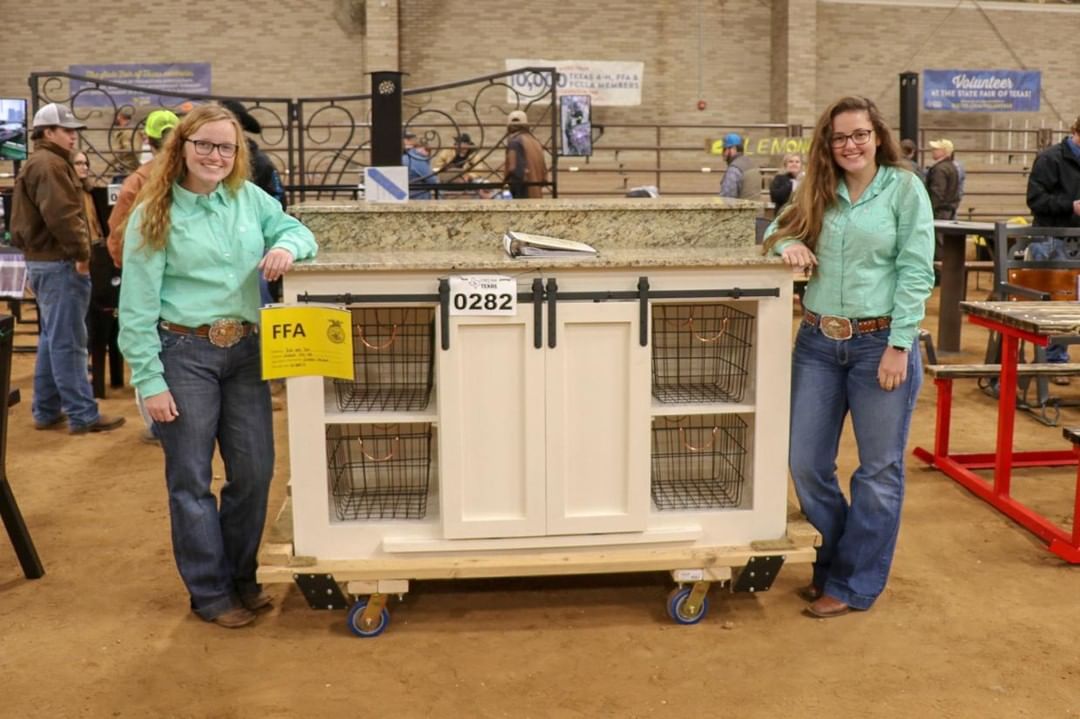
pixel 278 564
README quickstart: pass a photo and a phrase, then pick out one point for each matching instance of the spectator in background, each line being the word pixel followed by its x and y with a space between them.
pixel 742 178
pixel 786 181
pixel 525 169
pixel 50 226
pixel 415 158
pixel 943 185
pixel 1053 196
pixel 158 125
pixel 910 156
pixel 125 144
pixel 101 322
pixel 263 172
pixel 459 157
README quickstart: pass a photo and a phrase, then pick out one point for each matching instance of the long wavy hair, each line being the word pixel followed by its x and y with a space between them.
pixel 170 168
pixel 803 216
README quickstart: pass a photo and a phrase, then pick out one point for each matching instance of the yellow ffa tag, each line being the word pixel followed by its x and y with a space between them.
pixel 299 340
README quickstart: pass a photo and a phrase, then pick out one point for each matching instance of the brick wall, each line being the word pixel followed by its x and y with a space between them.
pixel 298 48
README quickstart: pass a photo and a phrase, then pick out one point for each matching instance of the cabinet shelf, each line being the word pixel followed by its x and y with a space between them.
pixel 666 409
pixel 333 415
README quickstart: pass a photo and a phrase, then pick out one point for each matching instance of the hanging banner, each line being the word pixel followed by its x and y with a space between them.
pixel 182 78
pixel 301 340
pixel 982 90
pixel 606 83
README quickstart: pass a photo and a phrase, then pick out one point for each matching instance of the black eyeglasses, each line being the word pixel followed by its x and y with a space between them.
pixel 205 147
pixel 859 137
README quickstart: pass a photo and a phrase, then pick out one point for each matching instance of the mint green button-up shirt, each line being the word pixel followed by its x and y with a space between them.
pixel 876 256
pixel 207 271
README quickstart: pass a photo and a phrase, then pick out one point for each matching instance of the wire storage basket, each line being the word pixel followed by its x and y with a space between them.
pixel 698 462
pixel 379 471
pixel 393 349
pixel 701 352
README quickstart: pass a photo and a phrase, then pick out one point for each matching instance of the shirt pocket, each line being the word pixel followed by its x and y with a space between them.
pixel 250 239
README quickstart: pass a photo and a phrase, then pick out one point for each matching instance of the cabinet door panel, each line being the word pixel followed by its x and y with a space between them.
pixel 597 421
pixel 491 432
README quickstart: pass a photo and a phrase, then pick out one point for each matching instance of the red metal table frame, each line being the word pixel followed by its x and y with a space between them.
pixel 959 466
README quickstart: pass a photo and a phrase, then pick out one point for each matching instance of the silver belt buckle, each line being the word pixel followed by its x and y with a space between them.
pixel 226 333
pixel 836 328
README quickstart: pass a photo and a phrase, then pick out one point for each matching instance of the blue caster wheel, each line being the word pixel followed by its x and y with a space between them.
pixel 677 609
pixel 357 628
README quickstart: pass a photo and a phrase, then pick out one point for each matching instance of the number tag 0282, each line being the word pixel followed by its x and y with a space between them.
pixel 483 295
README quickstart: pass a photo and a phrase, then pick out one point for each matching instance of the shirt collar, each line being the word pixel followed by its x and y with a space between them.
pixel 1071 144
pixel 188 200
pixel 881 180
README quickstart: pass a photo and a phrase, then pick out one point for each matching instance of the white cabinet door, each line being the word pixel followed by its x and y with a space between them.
pixel 491 428
pixel 598 390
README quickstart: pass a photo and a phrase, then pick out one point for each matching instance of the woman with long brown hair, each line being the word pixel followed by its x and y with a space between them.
pixel 193 251
pixel 862 227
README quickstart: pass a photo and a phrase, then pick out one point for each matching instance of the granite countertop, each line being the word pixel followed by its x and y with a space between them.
pixel 621 204
pixel 496 259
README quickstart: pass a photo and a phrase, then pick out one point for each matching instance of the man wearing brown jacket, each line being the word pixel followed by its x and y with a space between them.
pixel 526 169
pixel 49 225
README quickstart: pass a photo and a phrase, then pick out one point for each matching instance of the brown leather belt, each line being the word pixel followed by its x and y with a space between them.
pixel 221 333
pixel 842 328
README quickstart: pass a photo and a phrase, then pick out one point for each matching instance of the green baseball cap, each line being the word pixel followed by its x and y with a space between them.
pixel 159 122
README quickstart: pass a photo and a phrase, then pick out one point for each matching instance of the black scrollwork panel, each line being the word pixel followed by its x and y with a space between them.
pixel 321 146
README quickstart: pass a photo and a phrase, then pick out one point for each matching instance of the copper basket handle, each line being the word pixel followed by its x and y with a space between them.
pixel 692 448
pixel 388 457
pixel 393 337
pixel 714 338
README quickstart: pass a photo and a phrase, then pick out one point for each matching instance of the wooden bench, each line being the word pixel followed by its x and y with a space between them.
pixel 944 374
pixel 975 371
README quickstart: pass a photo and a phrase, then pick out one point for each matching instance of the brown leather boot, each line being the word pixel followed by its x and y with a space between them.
pixel 234 618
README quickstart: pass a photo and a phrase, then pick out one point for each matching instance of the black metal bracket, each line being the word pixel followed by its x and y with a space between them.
pixel 552 299
pixel 444 311
pixel 538 312
pixel 759 574
pixel 321 591
pixel 643 299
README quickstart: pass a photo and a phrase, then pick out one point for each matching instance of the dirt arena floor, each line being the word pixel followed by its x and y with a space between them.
pixel 978 620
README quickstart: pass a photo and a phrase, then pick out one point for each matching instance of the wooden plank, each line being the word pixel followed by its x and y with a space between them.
pixel 530 565
pixel 1031 369
pixel 1043 318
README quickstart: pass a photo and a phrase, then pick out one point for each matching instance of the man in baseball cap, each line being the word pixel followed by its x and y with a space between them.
pixel 525 167
pixel 742 178
pixel 55 115
pixel 50 226
pixel 158 123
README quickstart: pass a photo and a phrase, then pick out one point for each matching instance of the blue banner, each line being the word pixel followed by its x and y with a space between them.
pixel 982 90
pixel 181 78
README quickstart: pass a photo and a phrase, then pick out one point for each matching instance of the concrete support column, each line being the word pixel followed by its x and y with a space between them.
pixel 382 36
pixel 794 62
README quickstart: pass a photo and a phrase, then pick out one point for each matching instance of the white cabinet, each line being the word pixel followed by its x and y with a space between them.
pixel 552 447
pixel 545 440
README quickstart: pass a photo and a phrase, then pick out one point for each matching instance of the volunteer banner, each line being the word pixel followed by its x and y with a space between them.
pixel 606 83
pixel 982 90
pixel 306 340
pixel 182 78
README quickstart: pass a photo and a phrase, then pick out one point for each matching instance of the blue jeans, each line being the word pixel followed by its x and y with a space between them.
pixel 222 401
pixel 831 379
pixel 60 373
pixel 1051 248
